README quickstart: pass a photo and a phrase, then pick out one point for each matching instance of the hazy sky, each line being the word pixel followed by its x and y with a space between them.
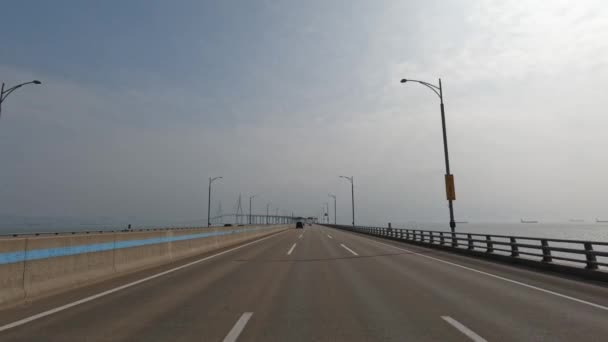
pixel 144 100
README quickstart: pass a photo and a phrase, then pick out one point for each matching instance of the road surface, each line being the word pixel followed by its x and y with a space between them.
pixel 321 284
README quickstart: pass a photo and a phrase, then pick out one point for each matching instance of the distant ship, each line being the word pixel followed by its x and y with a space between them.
pixel 527 221
pixel 576 220
pixel 600 221
pixel 462 222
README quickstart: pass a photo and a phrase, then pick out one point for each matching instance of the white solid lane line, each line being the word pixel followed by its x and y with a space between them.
pixel 122 287
pixel 598 306
pixel 468 332
pixel 348 249
pixel 329 236
pixel 238 327
pixel 291 249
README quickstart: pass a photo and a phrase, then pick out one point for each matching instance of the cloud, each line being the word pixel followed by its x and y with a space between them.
pixel 506 40
pixel 523 84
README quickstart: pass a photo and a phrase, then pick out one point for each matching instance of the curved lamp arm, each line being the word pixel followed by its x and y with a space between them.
pixel 7 92
pixel 213 179
pixel 350 179
pixel 434 88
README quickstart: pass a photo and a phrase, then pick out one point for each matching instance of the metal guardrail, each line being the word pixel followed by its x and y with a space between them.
pixel 546 249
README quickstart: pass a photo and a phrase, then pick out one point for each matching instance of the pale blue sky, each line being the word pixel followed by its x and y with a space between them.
pixel 143 100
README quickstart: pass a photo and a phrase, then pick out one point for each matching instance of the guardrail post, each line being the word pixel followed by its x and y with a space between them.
pixel 431 240
pixel 470 244
pixel 407 234
pixel 546 251
pixel 514 247
pixel 490 248
pixel 414 234
pixel 441 241
pixel 591 260
pixel 422 236
pixel 401 234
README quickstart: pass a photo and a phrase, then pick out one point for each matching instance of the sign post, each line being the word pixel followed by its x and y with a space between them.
pixel 449 187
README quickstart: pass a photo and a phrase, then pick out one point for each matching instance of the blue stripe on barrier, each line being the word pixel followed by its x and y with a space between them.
pixel 37 254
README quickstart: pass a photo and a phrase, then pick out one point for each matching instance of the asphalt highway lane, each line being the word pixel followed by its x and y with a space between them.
pixel 323 284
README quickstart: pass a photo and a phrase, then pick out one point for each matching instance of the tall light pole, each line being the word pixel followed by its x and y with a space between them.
pixel 449 178
pixel 250 198
pixel 209 200
pixel 267 211
pixel 335 210
pixel 326 210
pixel 5 93
pixel 352 189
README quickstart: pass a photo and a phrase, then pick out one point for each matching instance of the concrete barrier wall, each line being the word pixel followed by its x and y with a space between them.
pixel 35 266
pixel 66 261
pixel 188 247
pixel 131 258
pixel 11 271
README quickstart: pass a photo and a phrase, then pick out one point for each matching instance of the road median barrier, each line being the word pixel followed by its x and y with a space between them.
pixel 35 266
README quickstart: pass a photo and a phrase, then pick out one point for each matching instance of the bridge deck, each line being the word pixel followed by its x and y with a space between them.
pixel 331 286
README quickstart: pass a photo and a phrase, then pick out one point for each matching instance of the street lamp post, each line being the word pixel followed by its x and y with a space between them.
pixel 267 211
pixel 209 200
pixel 250 198
pixel 335 210
pixel 352 189
pixel 5 93
pixel 449 178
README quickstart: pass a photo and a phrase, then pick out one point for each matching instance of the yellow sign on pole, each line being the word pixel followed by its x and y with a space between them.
pixel 449 187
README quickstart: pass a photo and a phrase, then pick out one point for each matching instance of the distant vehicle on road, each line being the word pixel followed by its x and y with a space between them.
pixel 299 225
